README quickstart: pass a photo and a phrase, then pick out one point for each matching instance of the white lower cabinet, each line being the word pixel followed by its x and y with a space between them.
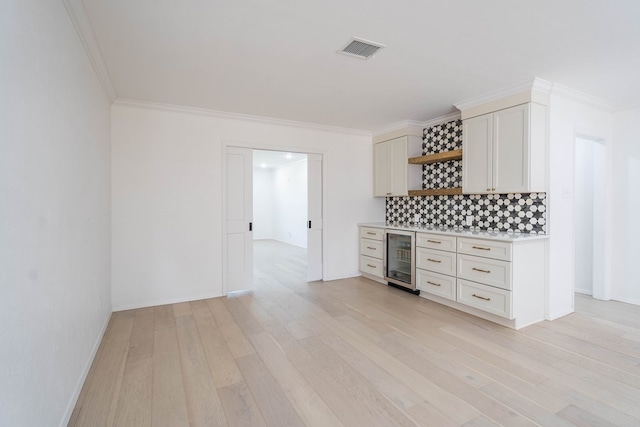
pixel 372 252
pixel 498 280
pixel 487 298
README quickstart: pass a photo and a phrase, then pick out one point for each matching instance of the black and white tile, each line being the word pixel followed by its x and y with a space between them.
pixel 524 213
pixel 436 139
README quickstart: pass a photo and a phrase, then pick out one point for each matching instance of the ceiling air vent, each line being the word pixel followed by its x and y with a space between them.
pixel 360 48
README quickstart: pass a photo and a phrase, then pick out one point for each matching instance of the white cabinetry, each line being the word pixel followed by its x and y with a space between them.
pixel 392 174
pixel 436 265
pixel 372 253
pixel 504 151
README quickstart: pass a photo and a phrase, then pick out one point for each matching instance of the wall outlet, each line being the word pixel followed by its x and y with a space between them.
pixel 469 221
pixel 416 218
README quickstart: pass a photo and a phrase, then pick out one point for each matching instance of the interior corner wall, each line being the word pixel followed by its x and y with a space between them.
pixel 567 119
pixel 626 206
pixel 290 204
pixel 55 295
pixel 263 209
pixel 167 198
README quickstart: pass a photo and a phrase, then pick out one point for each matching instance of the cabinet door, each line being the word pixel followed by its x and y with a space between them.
pixel 511 150
pixel 381 171
pixel 398 165
pixel 476 159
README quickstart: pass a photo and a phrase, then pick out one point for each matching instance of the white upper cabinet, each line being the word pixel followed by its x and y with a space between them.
pixel 504 151
pixel 391 168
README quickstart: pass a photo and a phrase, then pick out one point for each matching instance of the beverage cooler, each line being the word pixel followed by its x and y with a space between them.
pixel 399 259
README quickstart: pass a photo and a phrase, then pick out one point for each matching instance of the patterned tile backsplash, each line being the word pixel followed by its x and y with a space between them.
pixel 524 213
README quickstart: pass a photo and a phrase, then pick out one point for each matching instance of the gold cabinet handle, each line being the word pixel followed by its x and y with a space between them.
pixel 434 284
pixel 434 241
pixel 478 296
pixel 481 270
pixel 372 266
pixel 481 248
pixel 434 260
pixel 371 233
pixel 488 189
pixel 369 247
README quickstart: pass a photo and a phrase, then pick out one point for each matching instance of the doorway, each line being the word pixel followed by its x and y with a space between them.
pixel 589 215
pixel 280 216
pixel 290 223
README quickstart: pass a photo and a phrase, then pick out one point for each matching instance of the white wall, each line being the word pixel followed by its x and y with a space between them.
pixel 167 204
pixel 54 213
pixel 263 203
pixel 626 285
pixel 584 204
pixel 290 204
pixel 568 118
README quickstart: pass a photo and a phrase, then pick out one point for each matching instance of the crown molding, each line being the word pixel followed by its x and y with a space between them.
pixel 535 84
pixel 583 98
pixel 442 119
pixel 398 126
pixel 236 116
pixel 80 20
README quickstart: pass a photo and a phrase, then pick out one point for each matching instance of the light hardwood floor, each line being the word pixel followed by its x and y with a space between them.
pixel 356 353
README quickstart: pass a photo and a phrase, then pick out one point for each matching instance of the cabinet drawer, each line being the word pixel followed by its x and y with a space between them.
pixel 438 261
pixel 485 248
pixel 487 271
pixel 372 233
pixel 371 266
pixel 492 300
pixel 372 248
pixel 436 241
pixel 436 284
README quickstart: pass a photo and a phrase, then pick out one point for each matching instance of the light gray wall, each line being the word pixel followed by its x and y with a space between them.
pixel 54 213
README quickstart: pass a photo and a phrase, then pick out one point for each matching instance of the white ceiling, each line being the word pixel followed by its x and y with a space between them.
pixel 278 58
pixel 275 159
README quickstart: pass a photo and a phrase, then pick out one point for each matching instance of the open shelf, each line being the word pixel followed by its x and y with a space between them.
pixel 436 192
pixel 438 157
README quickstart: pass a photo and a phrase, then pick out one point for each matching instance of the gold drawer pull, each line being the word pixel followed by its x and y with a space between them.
pixel 481 270
pixel 369 247
pixel 434 284
pixel 371 233
pixel 484 298
pixel 481 248
pixel 434 260
pixel 372 266
pixel 434 241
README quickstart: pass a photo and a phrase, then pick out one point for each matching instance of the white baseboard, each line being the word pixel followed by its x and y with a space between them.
pixel 348 276
pixel 633 301
pixel 195 297
pixel 584 291
pixel 560 313
pixel 76 392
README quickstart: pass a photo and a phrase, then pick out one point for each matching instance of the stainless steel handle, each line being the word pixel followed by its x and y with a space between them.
pixel 481 248
pixel 481 270
pixel 434 260
pixel 479 297
pixel 434 241
pixel 434 284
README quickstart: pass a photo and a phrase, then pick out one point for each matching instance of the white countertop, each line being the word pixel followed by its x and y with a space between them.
pixel 460 232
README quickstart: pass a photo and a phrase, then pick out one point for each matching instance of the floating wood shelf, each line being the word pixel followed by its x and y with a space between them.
pixel 438 157
pixel 436 192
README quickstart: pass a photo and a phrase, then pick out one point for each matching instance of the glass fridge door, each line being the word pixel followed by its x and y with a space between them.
pixel 399 257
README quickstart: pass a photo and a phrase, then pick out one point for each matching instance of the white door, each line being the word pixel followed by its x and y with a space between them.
pixel 239 241
pixel 511 149
pixel 314 212
pixel 476 154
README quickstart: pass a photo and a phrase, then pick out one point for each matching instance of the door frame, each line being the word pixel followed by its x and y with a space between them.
pixel 270 147
pixel 598 292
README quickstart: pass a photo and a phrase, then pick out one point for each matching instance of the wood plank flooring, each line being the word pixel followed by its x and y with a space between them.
pixel 356 353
